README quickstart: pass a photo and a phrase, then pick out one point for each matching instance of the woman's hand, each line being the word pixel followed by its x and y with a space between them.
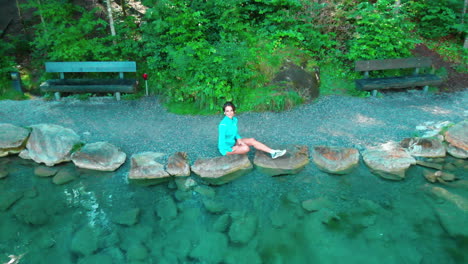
pixel 239 142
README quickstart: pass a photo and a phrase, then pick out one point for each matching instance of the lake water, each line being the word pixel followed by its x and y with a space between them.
pixel 101 218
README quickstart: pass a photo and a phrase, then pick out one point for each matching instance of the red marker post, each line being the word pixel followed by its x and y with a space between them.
pixel 145 77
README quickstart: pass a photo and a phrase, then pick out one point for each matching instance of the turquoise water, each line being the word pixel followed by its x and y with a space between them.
pixel 100 218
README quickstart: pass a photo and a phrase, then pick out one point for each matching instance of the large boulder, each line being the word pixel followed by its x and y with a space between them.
pixel 295 159
pixel 221 170
pixel 12 139
pixel 424 147
pixel 295 78
pixel 148 168
pixel 457 135
pixel 389 162
pixel 177 165
pixel 101 156
pixel 457 152
pixel 50 144
pixel 335 160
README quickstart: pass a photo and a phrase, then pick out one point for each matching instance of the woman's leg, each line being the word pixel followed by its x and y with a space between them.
pixel 256 144
pixel 239 149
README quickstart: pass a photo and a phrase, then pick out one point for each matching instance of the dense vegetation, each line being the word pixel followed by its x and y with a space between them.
pixel 200 53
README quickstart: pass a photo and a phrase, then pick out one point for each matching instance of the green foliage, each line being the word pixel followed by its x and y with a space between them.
pixel 7 64
pixel 436 18
pixel 382 32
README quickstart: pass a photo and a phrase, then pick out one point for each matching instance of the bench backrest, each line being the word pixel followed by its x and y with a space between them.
pixel 91 66
pixel 387 64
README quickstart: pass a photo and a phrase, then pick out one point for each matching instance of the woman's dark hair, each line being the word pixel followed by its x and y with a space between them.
pixel 229 104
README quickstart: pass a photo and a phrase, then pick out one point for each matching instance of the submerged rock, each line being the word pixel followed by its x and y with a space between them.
pixel 50 144
pixel 7 199
pixel 12 139
pixel 211 249
pixel 128 218
pixel 223 169
pixel 3 173
pixel 438 176
pixel 335 160
pixel 424 147
pixel 295 159
pixel 85 241
pixel 457 135
pixel 64 176
pixel 389 162
pixel 101 156
pixel 313 205
pixel 147 167
pixel 166 208
pixel 243 227
pixel 44 171
pixel 177 164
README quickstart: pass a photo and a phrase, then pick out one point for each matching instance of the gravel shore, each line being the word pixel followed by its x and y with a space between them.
pixel 145 125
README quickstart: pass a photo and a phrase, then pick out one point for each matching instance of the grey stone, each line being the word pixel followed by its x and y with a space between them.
pixel 457 135
pixel 457 152
pixel 335 160
pixel 424 147
pixel 12 139
pixel 389 162
pixel 295 159
pixel 177 165
pixel 137 252
pixel 148 166
pixel 211 248
pixel 101 156
pixel 213 206
pixel 223 169
pixel 32 211
pixel 221 224
pixel 431 165
pixel 44 171
pixel 65 175
pixel 51 144
pixel 294 77
pixel 166 208
pixel 205 191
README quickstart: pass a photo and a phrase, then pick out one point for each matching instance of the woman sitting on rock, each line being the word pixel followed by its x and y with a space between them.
pixel 229 141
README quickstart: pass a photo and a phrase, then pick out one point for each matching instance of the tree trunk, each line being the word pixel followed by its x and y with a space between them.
pixel 20 16
pixel 111 19
pixel 465 44
pixel 39 4
pixel 397 6
pixel 124 9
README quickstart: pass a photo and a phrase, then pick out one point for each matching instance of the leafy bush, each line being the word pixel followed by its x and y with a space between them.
pixel 7 64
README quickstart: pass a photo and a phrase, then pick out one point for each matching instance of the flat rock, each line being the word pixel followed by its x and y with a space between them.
pixel 12 139
pixel 457 135
pixel 64 176
pixel 243 227
pixel 295 159
pixel 128 218
pixel 85 241
pixel 101 156
pixel 51 144
pixel 335 160
pixel 221 170
pixel 457 152
pixel 148 167
pixel 388 162
pixel 313 205
pixel 177 165
pixel 3 173
pixel 44 171
pixel 424 147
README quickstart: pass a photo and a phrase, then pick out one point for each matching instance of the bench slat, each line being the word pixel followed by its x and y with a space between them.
pixel 387 64
pixel 90 85
pixel 91 66
pixel 398 82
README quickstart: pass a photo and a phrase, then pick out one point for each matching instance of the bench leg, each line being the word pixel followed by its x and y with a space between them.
pixel 425 89
pixel 57 96
pixel 374 93
pixel 117 96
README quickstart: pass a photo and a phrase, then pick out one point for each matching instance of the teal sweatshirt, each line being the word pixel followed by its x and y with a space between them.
pixel 227 134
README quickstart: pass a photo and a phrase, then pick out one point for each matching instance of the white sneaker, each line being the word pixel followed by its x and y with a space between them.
pixel 278 153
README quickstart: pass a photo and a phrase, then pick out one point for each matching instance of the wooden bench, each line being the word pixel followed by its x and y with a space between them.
pixel 412 80
pixel 115 85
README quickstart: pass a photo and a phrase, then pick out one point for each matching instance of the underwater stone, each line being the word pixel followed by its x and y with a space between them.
pixel 243 227
pixel 128 218
pixel 166 208
pixel 182 195
pixel 51 144
pixel 44 171
pixel 85 241
pixel 240 254
pixel 177 165
pixel 295 159
pixel 12 139
pixel 137 252
pixel 213 206
pixel 101 156
pixel 335 160
pixel 3 173
pixel 221 170
pixel 457 135
pixel 431 165
pixel 388 162
pixel 185 184
pixel 97 258
pixel 7 199
pixel 64 176
pixel 211 248
pixel 32 211
pixel 424 147
pixel 313 205
pixel 205 191
pixel 221 224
